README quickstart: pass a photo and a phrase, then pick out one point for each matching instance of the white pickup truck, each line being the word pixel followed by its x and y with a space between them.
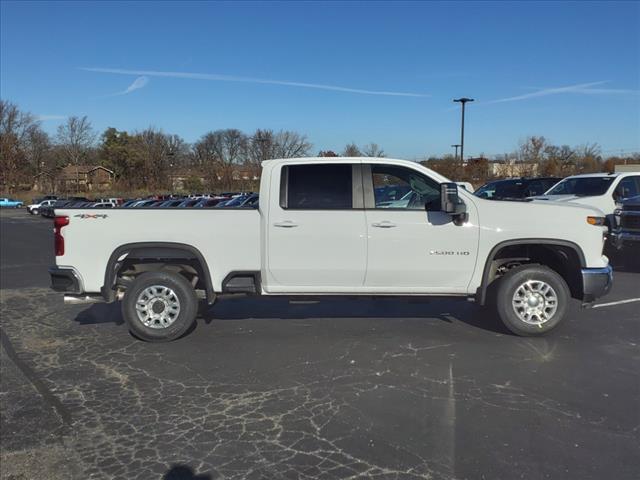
pixel 325 227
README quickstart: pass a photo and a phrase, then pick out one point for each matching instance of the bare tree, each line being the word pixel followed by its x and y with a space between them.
pixel 39 150
pixel 17 130
pixel 261 146
pixel 290 144
pixel 558 161
pixel 76 137
pixel 373 150
pixel 218 152
pixel 589 158
pixel 351 150
pixel 151 151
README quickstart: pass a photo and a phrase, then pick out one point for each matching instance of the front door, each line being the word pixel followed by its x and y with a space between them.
pixel 316 229
pixel 413 249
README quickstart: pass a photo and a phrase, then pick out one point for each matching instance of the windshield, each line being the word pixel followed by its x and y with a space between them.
pixel 582 186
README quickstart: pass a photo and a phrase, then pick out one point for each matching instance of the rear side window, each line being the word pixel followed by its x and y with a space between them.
pixel 317 187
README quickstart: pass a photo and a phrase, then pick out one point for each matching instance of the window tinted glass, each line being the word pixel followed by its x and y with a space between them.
pixel 628 187
pixel 487 190
pixel 536 187
pixel 399 187
pixel 319 187
pixel 583 186
pixel 509 189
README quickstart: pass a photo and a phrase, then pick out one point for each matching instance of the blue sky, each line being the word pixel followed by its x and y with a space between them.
pixel 568 71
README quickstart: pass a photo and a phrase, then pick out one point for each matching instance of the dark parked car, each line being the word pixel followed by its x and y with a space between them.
pixel 169 203
pixel 209 202
pixel 234 202
pixel 189 202
pixel 47 211
pixel 515 188
pixel 626 233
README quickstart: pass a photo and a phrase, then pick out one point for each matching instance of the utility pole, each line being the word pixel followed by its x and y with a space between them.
pixel 463 101
pixel 456 146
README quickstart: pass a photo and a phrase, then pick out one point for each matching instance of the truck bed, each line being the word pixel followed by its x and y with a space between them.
pixel 230 236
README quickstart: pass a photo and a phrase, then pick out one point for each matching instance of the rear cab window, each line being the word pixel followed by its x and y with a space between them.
pixel 327 186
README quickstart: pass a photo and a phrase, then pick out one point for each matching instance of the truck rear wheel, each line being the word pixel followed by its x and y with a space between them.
pixel 532 300
pixel 159 306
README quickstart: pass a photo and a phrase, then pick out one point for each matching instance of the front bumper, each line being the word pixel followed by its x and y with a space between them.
pixel 65 280
pixel 596 282
pixel 620 239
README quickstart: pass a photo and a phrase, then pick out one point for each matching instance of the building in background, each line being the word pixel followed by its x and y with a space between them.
pixel 84 178
pixel 627 167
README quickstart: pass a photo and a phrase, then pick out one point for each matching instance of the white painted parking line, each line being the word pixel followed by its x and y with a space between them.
pixel 620 302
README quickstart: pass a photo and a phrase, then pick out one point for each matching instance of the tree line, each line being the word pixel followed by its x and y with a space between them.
pixel 534 157
pixel 147 159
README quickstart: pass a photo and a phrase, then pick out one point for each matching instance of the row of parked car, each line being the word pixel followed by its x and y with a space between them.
pixel 45 206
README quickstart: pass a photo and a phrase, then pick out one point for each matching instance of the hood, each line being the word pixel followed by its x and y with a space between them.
pixel 543 204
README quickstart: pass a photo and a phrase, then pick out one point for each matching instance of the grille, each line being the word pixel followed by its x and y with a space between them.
pixel 631 222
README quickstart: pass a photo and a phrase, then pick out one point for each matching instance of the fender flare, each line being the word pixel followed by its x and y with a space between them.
pixel 154 250
pixel 481 293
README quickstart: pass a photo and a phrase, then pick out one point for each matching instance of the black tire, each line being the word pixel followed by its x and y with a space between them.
pixel 506 291
pixel 186 297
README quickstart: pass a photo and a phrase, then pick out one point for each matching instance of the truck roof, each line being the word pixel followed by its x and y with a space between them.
pixel 604 174
pixel 384 160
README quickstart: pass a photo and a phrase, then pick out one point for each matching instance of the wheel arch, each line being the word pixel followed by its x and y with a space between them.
pixel 567 254
pixel 147 251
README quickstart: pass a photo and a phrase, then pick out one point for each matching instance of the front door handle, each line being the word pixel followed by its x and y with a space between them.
pixel 384 224
pixel 285 224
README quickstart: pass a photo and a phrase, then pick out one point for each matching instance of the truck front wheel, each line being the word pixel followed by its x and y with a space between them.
pixel 159 306
pixel 531 300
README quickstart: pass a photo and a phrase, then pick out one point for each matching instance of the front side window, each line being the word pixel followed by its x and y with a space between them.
pixel 488 190
pixel 404 188
pixel 318 187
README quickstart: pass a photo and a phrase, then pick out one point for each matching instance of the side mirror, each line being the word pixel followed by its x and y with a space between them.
pixel 451 203
pixel 449 199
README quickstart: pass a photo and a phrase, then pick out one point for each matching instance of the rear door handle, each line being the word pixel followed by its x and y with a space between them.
pixel 285 224
pixel 384 224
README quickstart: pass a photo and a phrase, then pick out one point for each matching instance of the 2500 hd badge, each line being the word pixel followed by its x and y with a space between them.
pixel 447 252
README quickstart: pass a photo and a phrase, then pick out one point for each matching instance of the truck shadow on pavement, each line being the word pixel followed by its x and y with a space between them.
pixel 101 313
pixel 429 309
pixel 272 308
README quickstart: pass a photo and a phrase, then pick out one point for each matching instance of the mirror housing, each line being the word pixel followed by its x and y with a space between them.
pixel 451 203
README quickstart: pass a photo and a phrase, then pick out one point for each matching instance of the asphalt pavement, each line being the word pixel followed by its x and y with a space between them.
pixel 265 388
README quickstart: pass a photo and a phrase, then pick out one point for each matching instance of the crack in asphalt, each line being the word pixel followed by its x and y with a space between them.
pixel 37 383
pixel 139 408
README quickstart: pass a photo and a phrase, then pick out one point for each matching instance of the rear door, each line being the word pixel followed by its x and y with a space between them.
pixel 316 233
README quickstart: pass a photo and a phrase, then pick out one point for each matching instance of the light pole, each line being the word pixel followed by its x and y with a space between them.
pixel 456 145
pixel 463 101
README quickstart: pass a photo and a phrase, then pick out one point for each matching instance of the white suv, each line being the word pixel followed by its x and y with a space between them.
pixel 34 208
pixel 598 190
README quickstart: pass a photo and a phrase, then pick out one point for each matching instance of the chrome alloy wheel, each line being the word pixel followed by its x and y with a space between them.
pixel 157 306
pixel 535 302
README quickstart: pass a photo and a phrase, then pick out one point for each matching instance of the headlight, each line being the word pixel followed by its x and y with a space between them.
pixel 598 221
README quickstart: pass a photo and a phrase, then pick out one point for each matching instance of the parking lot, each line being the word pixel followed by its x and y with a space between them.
pixel 340 388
